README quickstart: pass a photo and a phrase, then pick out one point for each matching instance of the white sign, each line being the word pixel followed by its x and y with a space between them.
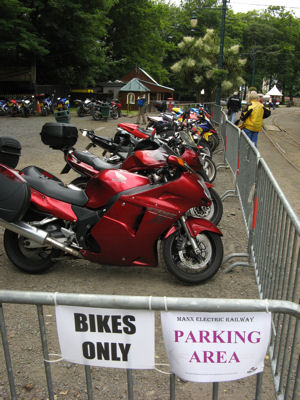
pixel 106 337
pixel 216 347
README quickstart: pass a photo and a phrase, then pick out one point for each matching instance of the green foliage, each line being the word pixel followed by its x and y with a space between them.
pixel 85 42
pixel 198 65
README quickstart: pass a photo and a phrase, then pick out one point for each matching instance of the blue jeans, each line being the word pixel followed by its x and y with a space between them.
pixel 251 135
pixel 232 117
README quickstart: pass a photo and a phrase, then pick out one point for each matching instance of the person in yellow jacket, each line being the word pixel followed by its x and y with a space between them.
pixel 252 117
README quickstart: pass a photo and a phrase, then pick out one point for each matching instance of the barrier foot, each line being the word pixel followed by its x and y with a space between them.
pixel 229 193
pixel 233 255
pixel 222 165
pixel 237 264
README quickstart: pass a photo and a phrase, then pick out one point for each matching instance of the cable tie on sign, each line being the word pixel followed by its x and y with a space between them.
pixel 150 298
pixel 162 372
pixel 165 301
pixel 54 361
pixel 55 298
pixel 267 305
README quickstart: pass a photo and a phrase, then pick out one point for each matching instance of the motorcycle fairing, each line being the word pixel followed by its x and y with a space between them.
pixel 57 208
pixel 108 183
pixel 195 226
pixel 145 159
pixel 135 130
pixel 138 217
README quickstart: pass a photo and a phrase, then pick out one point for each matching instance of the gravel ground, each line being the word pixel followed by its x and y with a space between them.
pixel 86 277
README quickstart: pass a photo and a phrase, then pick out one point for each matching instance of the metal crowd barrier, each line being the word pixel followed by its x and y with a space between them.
pixel 273 231
pixel 277 308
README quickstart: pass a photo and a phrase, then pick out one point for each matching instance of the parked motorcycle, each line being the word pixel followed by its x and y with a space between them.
pixel 103 110
pixel 15 107
pixel 88 165
pixel 63 103
pixel 4 109
pixel 46 103
pixel 117 220
pixel 84 107
pixel 27 106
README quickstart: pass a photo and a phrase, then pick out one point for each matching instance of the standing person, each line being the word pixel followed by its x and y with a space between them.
pixel 253 116
pixel 142 107
pixel 234 106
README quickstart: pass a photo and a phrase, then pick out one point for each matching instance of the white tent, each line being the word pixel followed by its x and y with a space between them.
pixel 274 92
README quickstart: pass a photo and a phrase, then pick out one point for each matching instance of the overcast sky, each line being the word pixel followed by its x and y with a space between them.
pixel 248 5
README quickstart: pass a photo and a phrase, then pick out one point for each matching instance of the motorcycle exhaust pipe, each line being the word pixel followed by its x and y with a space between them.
pixel 38 235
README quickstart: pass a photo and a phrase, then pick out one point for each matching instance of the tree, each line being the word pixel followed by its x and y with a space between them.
pixel 65 37
pixel 198 66
pixel 138 36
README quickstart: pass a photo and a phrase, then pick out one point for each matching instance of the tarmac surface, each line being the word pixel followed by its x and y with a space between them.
pixel 279 145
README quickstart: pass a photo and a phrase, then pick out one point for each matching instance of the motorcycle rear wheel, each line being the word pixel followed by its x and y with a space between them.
pixel 31 260
pixel 181 261
pixel 80 182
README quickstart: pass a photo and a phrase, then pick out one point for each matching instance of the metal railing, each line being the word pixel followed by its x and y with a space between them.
pixel 40 299
pixel 273 231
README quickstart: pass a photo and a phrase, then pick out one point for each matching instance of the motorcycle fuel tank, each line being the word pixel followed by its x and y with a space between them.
pixel 109 183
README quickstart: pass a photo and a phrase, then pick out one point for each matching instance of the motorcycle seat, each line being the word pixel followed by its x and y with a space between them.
pixel 49 185
pixel 94 161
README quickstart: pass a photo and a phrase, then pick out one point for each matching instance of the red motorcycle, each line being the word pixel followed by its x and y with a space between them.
pixel 89 165
pixel 118 219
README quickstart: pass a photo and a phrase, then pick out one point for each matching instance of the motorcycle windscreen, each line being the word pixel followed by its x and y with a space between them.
pixel 14 195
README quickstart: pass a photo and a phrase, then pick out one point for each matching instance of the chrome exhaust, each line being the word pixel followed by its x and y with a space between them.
pixel 37 235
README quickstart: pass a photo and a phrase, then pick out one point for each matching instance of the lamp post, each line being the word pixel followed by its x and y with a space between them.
pixel 220 63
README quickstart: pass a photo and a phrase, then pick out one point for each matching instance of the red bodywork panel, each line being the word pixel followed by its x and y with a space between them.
pixel 57 208
pixel 139 216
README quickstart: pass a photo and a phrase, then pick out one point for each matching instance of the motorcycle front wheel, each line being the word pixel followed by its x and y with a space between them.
pixel 213 213
pixel 114 114
pixel 182 262
pixel 97 115
pixel 25 256
pixel 210 169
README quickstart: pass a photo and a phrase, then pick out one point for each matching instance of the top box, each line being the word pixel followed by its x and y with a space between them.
pixel 60 136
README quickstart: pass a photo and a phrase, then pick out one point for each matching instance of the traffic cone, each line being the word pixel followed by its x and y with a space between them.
pixel 38 108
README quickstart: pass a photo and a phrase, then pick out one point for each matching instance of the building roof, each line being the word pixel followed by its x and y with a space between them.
pixel 134 86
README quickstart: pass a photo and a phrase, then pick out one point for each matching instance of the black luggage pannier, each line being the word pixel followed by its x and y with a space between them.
pixel 10 151
pixel 14 195
pixel 59 135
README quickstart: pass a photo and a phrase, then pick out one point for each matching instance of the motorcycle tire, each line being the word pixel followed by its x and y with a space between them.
pixel 210 169
pixel 213 142
pixel 80 182
pixel 44 112
pixel 31 260
pixel 181 261
pixel 80 112
pixel 114 114
pixel 97 115
pixel 212 213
